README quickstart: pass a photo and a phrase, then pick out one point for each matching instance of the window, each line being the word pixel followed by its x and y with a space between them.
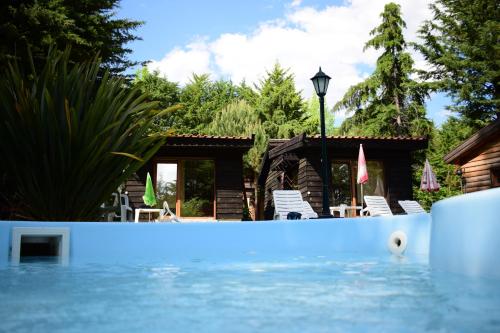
pixel 346 190
pixel 166 185
pixel 188 187
pixel 495 177
pixel 376 180
pixel 290 178
pixel 341 183
pixel 197 192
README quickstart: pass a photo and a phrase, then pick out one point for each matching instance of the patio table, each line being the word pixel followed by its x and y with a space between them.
pixel 138 211
pixel 342 209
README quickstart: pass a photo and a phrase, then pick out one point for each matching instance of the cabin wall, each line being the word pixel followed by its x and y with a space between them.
pixel 228 179
pixel 477 171
pixel 273 182
pixel 310 182
pixel 136 185
pixel 229 188
pixel 398 177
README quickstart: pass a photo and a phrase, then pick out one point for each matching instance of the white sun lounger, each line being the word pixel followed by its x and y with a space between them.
pixel 411 207
pixel 286 201
pixel 376 206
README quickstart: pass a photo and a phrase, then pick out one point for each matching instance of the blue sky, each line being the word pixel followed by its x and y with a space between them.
pixel 242 39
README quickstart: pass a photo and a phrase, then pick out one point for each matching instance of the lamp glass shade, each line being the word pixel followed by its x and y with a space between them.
pixel 320 82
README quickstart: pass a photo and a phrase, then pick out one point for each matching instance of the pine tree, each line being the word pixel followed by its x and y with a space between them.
pixel 462 44
pixel 88 26
pixel 280 105
pixel 389 102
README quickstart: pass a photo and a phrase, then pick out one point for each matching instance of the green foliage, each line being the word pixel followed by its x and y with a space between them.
pixel 194 207
pixel 161 90
pixel 240 119
pixel 311 123
pixel 388 102
pixel 444 140
pixel 88 26
pixel 236 119
pixel 280 106
pixel 200 99
pixel 70 137
pixel 462 44
pixel 157 88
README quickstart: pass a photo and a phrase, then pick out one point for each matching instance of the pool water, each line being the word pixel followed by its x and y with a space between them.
pixel 348 293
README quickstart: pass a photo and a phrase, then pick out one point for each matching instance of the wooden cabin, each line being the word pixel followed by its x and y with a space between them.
pixel 296 164
pixel 201 177
pixel 478 159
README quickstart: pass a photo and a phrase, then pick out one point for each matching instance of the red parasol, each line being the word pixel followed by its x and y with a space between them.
pixel 362 170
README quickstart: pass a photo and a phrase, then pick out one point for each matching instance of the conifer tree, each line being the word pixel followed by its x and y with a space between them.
pixel 462 43
pixel 280 105
pixel 389 102
pixel 88 26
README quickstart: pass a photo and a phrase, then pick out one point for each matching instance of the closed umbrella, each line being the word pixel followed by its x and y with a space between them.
pixel 362 171
pixel 428 182
pixel 149 196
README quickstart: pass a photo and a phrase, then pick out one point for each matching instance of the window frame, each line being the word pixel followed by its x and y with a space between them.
pixel 353 169
pixel 180 180
pixel 495 177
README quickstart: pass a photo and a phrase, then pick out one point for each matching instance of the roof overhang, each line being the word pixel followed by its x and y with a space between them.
pixel 460 154
pixel 350 142
pixel 208 141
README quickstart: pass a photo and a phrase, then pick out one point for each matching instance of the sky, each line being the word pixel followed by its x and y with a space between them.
pixel 243 39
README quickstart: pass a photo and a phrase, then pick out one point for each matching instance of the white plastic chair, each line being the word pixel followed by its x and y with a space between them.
pixel 411 207
pixel 286 201
pixel 125 208
pixel 376 206
pixel 166 211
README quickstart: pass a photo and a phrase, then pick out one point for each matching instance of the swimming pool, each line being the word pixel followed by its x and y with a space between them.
pixel 293 276
pixel 344 293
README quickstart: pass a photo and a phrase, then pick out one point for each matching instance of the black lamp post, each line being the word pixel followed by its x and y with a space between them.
pixel 320 81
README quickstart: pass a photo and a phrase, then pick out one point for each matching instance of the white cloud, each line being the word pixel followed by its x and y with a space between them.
pixel 180 63
pixel 302 40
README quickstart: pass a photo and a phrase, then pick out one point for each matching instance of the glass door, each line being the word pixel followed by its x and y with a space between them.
pixel 166 185
pixel 196 193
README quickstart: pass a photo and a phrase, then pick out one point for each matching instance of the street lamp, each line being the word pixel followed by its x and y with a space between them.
pixel 320 81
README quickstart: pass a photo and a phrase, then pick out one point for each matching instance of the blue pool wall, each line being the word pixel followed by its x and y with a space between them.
pixel 465 234
pixel 97 242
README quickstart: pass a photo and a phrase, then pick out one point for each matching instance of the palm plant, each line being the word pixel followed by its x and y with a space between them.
pixel 70 136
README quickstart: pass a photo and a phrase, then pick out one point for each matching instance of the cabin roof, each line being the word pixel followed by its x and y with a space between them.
pixel 282 147
pixel 460 154
pixel 392 143
pixel 196 140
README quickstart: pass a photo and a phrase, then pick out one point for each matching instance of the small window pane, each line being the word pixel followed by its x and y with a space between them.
pixel 166 184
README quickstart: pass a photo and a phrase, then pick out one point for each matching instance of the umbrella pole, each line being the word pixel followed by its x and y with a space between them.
pixel 362 197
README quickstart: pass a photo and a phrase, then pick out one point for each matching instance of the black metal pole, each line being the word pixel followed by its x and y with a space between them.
pixel 324 161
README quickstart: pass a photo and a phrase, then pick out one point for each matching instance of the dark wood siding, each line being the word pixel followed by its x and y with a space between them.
pixel 477 171
pixel 228 176
pixel 136 186
pixel 229 188
pixel 398 179
pixel 310 182
pixel 272 183
pixel 397 166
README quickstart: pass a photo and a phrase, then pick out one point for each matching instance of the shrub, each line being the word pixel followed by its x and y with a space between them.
pixel 69 136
